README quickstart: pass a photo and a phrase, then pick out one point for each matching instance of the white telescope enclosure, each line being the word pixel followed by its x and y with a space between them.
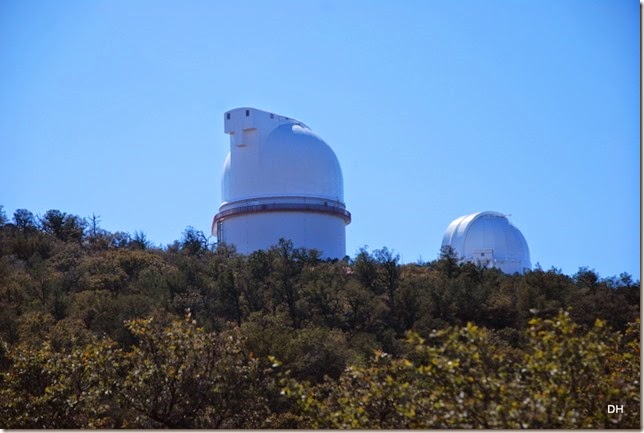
pixel 490 239
pixel 280 180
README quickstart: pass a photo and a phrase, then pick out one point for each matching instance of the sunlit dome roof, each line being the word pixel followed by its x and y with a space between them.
pixel 291 161
pixel 489 238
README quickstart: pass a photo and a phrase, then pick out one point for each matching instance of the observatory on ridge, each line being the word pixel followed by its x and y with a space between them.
pixel 280 180
pixel 489 238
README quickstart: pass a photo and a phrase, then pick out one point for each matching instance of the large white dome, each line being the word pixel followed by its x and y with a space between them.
pixel 291 161
pixel 280 180
pixel 489 238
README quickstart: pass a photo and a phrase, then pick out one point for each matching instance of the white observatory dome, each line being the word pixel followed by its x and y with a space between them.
pixel 490 239
pixel 280 180
pixel 292 161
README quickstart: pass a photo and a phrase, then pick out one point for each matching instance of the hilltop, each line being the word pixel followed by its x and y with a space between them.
pixel 103 329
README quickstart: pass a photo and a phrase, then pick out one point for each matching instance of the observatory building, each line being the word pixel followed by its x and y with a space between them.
pixel 490 239
pixel 280 180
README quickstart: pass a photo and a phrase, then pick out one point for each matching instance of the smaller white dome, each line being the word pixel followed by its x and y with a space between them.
pixel 489 238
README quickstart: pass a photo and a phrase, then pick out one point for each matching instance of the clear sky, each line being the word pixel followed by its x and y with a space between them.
pixel 435 109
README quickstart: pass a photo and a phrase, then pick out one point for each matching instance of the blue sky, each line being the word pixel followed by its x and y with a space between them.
pixel 435 109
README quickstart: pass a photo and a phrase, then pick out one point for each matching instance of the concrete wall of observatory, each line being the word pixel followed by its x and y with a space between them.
pixel 258 231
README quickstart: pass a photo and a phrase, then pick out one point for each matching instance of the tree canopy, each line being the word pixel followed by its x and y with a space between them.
pixel 106 330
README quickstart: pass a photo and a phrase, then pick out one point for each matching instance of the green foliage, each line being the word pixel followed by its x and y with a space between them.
pixel 310 353
pixel 103 329
pixel 62 226
pixel 24 220
pixel 566 378
pixel 184 377
pixel 461 378
pixel 44 388
pixel 194 241
pixel 176 376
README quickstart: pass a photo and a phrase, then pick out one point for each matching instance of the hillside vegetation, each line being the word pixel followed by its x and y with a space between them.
pixel 105 330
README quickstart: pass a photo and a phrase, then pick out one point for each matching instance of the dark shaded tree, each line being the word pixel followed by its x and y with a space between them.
pixel 67 228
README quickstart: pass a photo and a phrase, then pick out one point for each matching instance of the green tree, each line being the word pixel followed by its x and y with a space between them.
pixel 569 379
pixel 43 388
pixel 24 220
pixel 184 377
pixel 63 226
pixel 365 270
pixel 139 241
pixel 194 241
pixel 464 378
pixel 283 281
